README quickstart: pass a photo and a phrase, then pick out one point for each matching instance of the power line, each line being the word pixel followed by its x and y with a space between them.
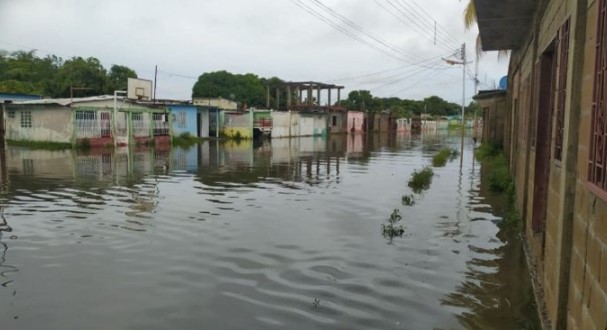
pixel 439 27
pixel 359 32
pixel 412 22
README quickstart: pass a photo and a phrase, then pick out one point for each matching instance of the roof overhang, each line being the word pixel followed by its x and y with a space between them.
pixel 504 24
pixel 489 94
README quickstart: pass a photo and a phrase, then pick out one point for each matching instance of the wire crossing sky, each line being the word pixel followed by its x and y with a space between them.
pixel 390 47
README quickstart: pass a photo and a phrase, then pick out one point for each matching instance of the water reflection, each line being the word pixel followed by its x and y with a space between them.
pixel 273 234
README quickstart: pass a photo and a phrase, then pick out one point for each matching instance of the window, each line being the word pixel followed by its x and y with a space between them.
pixel 26 119
pixel 562 90
pixel 86 124
pixel 161 126
pixel 181 119
pixel 597 169
pixel 11 114
pixel 334 121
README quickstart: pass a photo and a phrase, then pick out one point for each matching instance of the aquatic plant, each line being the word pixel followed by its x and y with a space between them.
pixel 391 229
pixel 40 145
pixel 408 200
pixel 185 140
pixel 441 157
pixel 500 181
pixel 421 180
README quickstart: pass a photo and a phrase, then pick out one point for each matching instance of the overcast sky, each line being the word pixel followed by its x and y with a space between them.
pixel 185 38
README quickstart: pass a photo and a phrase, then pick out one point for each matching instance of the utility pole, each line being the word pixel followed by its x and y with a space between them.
pixel 463 63
pixel 155 79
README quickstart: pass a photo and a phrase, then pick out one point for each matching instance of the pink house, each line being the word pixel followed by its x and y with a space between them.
pixel 355 121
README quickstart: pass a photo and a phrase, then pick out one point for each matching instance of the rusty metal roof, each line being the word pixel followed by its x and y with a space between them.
pixel 504 24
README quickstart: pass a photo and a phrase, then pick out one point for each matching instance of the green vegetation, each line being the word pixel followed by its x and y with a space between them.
pixel 391 230
pixel 421 180
pixel 408 200
pixel 441 157
pixel 500 181
pixel 24 72
pixel 185 140
pixel 40 145
pixel 247 89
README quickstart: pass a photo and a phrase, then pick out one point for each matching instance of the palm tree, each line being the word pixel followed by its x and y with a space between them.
pixel 469 22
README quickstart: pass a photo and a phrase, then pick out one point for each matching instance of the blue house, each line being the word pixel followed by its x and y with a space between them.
pixel 189 119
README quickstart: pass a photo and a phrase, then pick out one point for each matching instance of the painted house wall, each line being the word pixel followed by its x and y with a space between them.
pixel 337 122
pixel 355 121
pixel 312 124
pixel 237 125
pixel 184 120
pixel 204 122
pixel 49 123
pixel 282 124
pixel 403 125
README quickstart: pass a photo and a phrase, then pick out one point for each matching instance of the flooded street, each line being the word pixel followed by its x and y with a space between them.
pixel 283 234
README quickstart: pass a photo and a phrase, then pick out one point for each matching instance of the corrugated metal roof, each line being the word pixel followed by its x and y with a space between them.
pixel 69 101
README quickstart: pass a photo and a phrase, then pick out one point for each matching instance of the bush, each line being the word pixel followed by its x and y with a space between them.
pixel 441 157
pixel 421 180
pixel 391 230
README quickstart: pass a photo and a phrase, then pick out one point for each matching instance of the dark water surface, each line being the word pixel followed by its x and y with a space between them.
pixel 281 235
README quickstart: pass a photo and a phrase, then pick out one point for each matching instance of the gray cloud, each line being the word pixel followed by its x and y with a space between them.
pixel 269 38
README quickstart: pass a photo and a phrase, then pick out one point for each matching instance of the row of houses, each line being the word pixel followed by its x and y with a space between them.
pixel 552 124
pixel 112 120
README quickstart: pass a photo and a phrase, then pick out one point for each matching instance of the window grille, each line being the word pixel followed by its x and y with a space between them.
pixel 161 126
pixel 26 119
pixel 11 114
pixel 86 124
pixel 597 170
pixel 562 91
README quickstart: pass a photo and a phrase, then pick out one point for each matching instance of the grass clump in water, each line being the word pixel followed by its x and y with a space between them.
pixel 441 157
pixel 421 180
pixel 391 229
pixel 185 140
pixel 41 145
pixel 500 181
pixel 409 200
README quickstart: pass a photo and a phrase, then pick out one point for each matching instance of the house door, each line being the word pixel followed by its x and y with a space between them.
pixel 198 125
pixel 105 124
pixel 543 124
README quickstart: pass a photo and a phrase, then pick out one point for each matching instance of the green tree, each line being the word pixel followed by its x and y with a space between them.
pixel 246 89
pixel 79 72
pixel 117 78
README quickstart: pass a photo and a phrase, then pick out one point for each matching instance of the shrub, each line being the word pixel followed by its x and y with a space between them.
pixel 421 180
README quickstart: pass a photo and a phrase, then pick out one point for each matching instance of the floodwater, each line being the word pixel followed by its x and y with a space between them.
pixel 283 234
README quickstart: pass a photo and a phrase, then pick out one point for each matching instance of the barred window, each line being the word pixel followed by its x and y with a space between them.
pixel 26 119
pixel 597 157
pixel 11 114
pixel 562 90
pixel 137 116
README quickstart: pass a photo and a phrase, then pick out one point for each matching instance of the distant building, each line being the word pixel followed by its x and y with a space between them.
pixel 218 102
pixel 90 119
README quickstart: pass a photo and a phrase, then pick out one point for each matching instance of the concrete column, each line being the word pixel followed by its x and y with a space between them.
pixel 299 95
pixel 310 95
pixel 267 97
pixel 318 95
pixel 288 96
pixel 338 95
pixel 329 97
pixel 277 98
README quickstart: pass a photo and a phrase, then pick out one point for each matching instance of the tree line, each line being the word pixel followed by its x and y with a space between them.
pixel 249 89
pixel 24 72
pixel 51 76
